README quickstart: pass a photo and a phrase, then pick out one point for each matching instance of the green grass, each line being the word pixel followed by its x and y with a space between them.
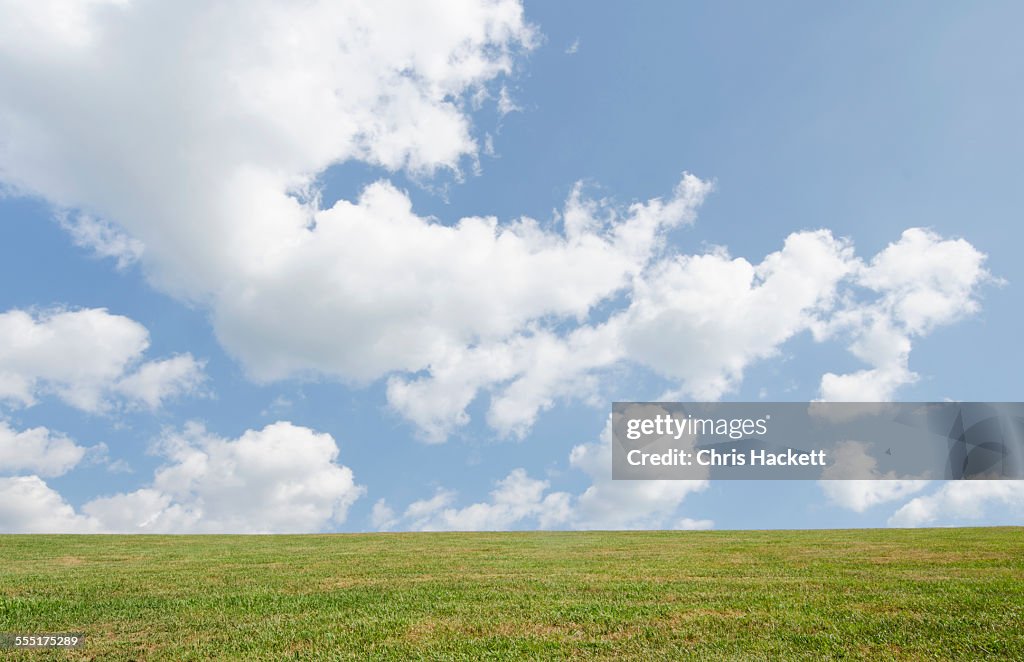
pixel 909 594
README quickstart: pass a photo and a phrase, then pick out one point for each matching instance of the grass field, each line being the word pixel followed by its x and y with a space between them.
pixel 914 594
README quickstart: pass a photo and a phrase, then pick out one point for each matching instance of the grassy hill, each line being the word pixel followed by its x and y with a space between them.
pixel 913 594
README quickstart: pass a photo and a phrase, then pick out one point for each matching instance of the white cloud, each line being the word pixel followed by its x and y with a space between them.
pixel 859 495
pixel 923 281
pixel 526 374
pixel 484 331
pixel 574 47
pixel 198 121
pixel 102 237
pixel 382 516
pixel 37 27
pixel 419 513
pixel 506 104
pixel 214 176
pixel 401 293
pixel 28 505
pixel 964 501
pixel 76 354
pixel 702 319
pixel 874 385
pixel 519 500
pixel 200 131
pixel 550 368
pixel 144 510
pixel 623 504
pixel 851 458
pixel 37 451
pixel 689 319
pixel 88 358
pixel 927 280
pixel 687 524
pixel 154 382
pixel 283 478
pixel 515 499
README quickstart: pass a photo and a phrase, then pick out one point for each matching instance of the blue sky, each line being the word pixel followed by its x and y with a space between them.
pixel 201 183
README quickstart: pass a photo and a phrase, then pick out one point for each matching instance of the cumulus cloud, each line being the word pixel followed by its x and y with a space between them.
pixel 623 504
pixel 515 499
pixel 37 451
pixel 200 131
pixel 383 516
pixel 283 478
pixel 964 502
pixel 700 321
pixel 484 328
pixel 926 280
pixel 102 237
pixel 689 524
pixel 689 319
pixel 29 505
pixel 519 500
pixel 860 495
pixel 154 382
pixel 265 96
pixel 88 358
pixel 851 458
pixel 922 281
